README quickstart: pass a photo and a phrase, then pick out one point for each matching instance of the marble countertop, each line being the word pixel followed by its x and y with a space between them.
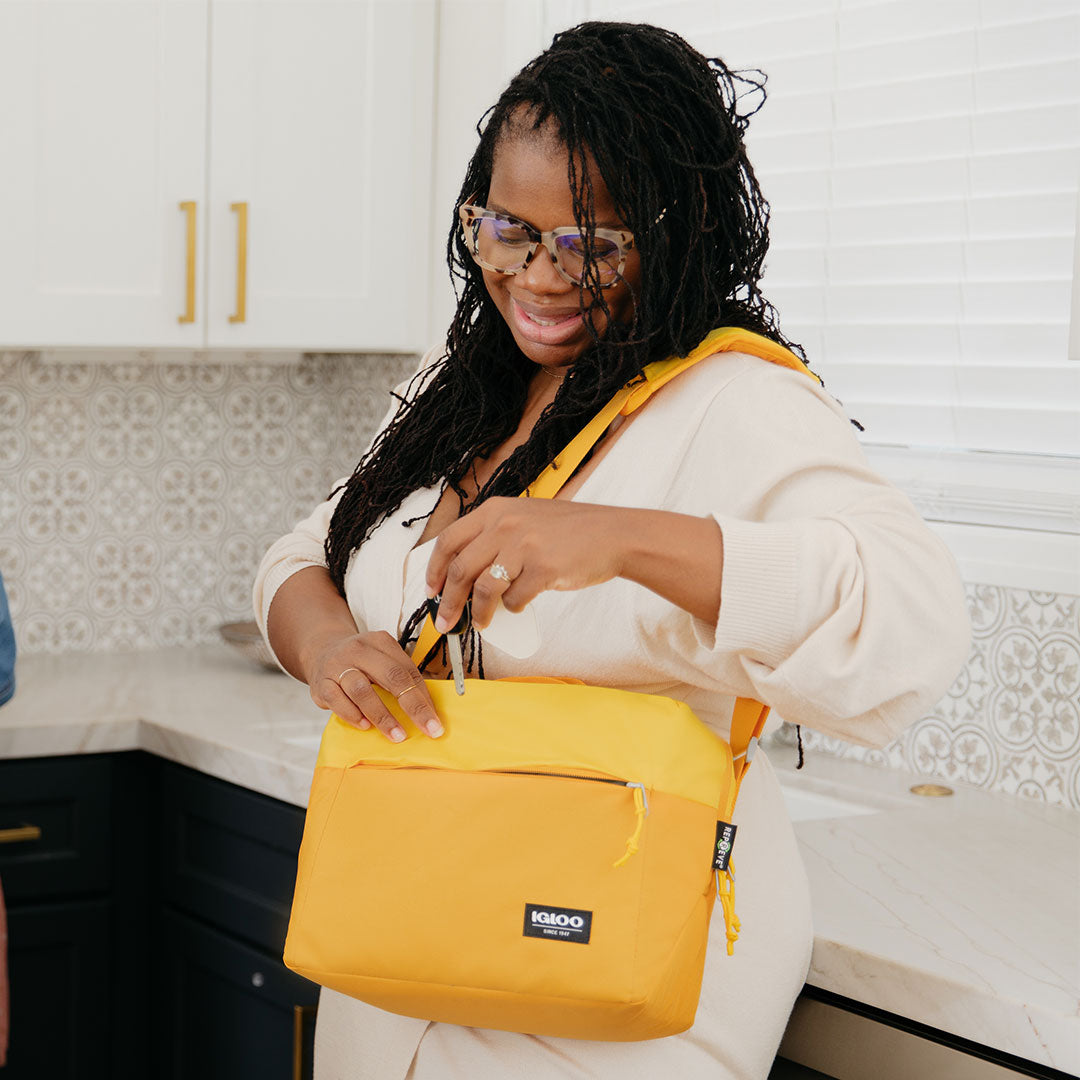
pixel 962 913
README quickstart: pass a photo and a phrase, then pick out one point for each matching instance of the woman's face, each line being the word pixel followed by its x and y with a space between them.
pixel 543 309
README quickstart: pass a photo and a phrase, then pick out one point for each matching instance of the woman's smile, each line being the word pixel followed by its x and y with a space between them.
pixel 543 327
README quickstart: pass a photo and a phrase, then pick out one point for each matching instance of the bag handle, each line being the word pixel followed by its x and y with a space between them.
pixel 749 715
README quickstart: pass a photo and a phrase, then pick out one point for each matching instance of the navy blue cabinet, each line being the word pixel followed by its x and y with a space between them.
pixel 226 866
pixel 73 846
pixel 230 1010
pixel 147 910
pixel 61 1000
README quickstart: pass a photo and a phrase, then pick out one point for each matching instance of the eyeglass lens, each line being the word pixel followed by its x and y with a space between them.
pixel 507 246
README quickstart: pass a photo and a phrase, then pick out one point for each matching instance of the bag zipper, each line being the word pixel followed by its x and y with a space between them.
pixel 562 775
pixel 641 801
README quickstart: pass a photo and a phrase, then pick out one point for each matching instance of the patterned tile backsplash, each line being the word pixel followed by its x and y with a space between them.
pixel 1011 721
pixel 137 497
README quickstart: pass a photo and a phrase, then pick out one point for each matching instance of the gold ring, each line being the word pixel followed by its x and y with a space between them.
pixel 346 672
pixel 415 686
pixel 499 572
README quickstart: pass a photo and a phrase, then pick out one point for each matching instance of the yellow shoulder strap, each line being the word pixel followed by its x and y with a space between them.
pixel 726 339
pixel 749 716
pixel 635 394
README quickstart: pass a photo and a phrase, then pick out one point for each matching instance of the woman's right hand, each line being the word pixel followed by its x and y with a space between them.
pixel 342 676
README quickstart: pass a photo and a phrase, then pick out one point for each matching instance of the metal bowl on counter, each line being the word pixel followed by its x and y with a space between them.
pixel 246 638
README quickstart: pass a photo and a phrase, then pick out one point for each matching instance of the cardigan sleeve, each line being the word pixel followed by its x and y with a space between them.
pixel 300 548
pixel 839 607
pixel 304 545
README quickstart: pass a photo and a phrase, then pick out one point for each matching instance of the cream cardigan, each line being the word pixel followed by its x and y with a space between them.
pixel 839 608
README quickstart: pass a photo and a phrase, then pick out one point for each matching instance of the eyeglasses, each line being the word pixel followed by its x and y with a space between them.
pixel 506 245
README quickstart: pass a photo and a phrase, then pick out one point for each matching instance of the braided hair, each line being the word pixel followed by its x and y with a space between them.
pixel 663 126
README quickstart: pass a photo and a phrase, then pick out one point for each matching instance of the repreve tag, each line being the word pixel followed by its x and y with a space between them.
pixel 725 840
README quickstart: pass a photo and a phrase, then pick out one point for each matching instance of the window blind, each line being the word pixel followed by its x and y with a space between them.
pixel 922 160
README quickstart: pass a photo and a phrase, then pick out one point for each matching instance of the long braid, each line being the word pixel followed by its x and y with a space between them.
pixel 662 124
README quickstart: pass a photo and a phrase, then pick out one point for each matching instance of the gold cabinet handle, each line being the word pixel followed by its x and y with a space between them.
pixel 20 833
pixel 189 313
pixel 300 1014
pixel 241 209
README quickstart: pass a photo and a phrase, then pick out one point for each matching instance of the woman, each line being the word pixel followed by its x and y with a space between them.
pixel 726 539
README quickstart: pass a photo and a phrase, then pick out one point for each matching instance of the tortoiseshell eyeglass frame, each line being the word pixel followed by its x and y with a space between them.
pixel 471 216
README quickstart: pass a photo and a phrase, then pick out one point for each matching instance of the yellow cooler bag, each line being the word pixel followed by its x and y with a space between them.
pixel 550 864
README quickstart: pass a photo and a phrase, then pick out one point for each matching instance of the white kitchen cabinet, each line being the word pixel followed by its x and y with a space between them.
pixel 311 119
pixel 321 121
pixel 102 135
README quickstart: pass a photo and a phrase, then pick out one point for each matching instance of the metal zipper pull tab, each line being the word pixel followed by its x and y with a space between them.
pixel 453 642
pixel 457 665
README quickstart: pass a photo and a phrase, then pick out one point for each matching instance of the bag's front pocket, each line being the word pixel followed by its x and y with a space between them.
pixel 500 881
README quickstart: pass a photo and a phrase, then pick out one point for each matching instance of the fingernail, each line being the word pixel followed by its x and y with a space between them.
pixel 364 724
pixel 430 592
pixel 397 734
pixel 434 728
pixel 442 624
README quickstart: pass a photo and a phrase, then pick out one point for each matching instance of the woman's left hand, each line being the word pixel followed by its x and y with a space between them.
pixel 541 544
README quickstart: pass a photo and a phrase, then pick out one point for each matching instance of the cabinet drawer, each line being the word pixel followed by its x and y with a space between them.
pixel 68 800
pixel 228 855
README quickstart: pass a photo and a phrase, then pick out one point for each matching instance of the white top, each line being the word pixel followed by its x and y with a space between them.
pixel 839 608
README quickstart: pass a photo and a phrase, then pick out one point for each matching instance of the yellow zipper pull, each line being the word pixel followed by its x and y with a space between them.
pixel 641 809
pixel 725 893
